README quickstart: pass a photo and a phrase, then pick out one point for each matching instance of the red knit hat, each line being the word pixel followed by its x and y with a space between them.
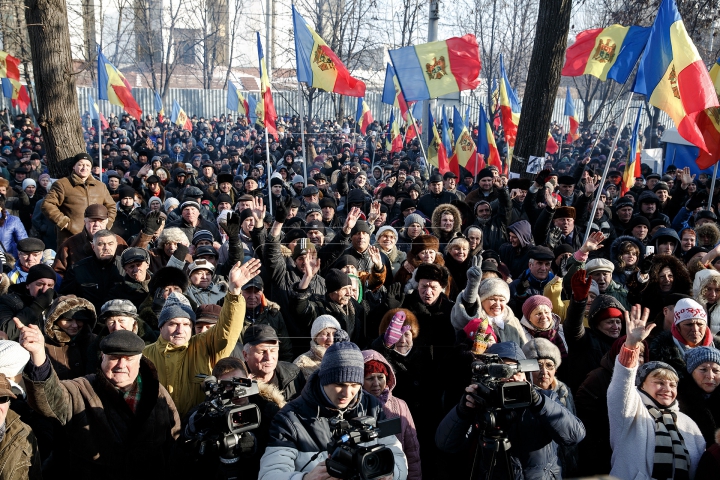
pixel 611 312
pixel 373 366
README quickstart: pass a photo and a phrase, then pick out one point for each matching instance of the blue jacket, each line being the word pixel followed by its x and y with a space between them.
pixel 534 439
pixel 11 233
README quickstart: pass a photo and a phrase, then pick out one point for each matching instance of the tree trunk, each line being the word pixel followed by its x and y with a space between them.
pixel 543 80
pixel 58 113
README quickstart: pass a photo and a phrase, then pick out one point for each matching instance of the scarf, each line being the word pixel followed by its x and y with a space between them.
pixel 552 334
pixel 707 341
pixel 671 459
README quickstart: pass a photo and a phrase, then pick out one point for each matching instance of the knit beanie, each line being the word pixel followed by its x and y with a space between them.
pixel 539 348
pixel 176 306
pixel 336 279
pixel 28 182
pixel 342 363
pixel 154 199
pixel 693 357
pixel 39 271
pixel 493 286
pixel 302 247
pixel 414 218
pixel 321 323
pixel 533 302
pixel 13 358
pixel 647 368
pixel 374 366
pixel 171 202
pixel 386 228
pixel 689 309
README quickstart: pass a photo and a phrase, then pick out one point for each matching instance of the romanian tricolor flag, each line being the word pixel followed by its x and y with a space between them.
pixel 674 78
pixel 9 66
pixel 709 123
pixel 437 155
pixel 265 111
pixel 244 104
pixel 610 52
pixel 393 139
pixel 486 146
pixel 632 167
pixel 465 148
pixel 318 66
pixel 434 69
pixel 363 117
pixel 509 107
pixel 159 107
pixel 570 113
pixel 180 118
pixel 392 93
pixel 113 86
pixel 96 114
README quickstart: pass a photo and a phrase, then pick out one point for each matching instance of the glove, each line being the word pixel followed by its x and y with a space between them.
pixel 395 295
pixel 282 210
pixel 396 329
pixel 474 277
pixel 696 201
pixel 554 236
pixel 153 223
pixel 646 264
pixel 580 285
pixel 181 252
pixel 467 412
pixel 232 226
pixel 536 399
pixel 542 177
pixel 45 299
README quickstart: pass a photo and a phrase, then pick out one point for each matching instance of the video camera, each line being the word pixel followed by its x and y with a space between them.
pixel 489 373
pixel 222 424
pixel 348 460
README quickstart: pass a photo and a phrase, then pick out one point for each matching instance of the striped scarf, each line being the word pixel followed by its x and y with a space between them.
pixel 671 460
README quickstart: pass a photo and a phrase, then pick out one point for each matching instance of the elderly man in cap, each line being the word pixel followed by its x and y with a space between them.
pixel 533 280
pixel 70 196
pixel 120 422
pixel 19 454
pixel 301 431
pixel 259 310
pixel 191 221
pixel 261 348
pixel 28 300
pixel 79 246
pixel 30 253
pixel 179 356
pixel 601 270
pixel 134 287
pixel 202 289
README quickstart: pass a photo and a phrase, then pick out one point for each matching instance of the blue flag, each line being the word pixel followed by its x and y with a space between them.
pixel 233 102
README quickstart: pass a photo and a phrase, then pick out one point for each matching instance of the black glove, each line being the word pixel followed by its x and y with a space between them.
pixel 181 252
pixel 283 209
pixel 44 300
pixel 696 201
pixel 542 176
pixel 395 295
pixel 647 264
pixel 232 226
pixel 153 223
pixel 198 422
pixel 466 412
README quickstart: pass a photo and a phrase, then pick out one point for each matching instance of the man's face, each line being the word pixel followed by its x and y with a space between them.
pixel 603 280
pixel 114 324
pixel 40 286
pixel 429 291
pixel 201 278
pixel 262 358
pixel 208 171
pixel 648 208
pixel 94 225
pixel 276 190
pixel 120 370
pixel 666 247
pixel 328 213
pixel 82 168
pixel 446 222
pixel 625 213
pixel 341 297
pixel 566 190
pixel 252 296
pixel 104 247
pixel 486 184
pixel 136 270
pixel 449 184
pixel 361 241
pixel 191 215
pixel 177 331
pixel 201 327
pixel 127 202
pixel 483 211
pixel 565 225
pixel 341 394
pixel 688 240
pixel 539 268
pixel 436 187
pixel 29 259
pixel 316 237
pixel 651 183
pixel 514 240
pixel 113 183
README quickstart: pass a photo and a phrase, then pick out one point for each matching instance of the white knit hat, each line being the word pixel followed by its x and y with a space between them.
pixel 689 309
pixel 13 358
pixel 322 322
pixel 493 286
pixel 386 228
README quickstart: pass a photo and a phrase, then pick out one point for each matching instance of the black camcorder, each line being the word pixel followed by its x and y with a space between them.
pixel 490 373
pixel 348 460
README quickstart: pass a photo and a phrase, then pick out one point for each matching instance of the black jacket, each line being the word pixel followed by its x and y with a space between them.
pixel 704 410
pixel 428 202
pixel 19 303
pixel 92 280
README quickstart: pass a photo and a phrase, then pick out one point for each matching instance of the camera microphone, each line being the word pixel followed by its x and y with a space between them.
pixel 500 370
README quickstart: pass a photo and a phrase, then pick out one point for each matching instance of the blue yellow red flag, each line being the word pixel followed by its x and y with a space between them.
pixel 113 86
pixel 9 66
pixel 392 93
pixel 509 106
pixel 632 167
pixel 570 113
pixel 159 106
pixel 437 155
pixel 363 117
pixel 266 108
pixel 465 149
pixel 233 102
pixel 180 118
pixel 486 145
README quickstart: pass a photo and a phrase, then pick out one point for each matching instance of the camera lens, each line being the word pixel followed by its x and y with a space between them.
pixel 371 462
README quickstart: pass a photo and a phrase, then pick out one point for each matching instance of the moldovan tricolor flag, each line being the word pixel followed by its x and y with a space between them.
pixel 363 117
pixel 96 114
pixel 434 69
pixel 709 122
pixel 318 66
pixel 159 107
pixel 393 139
pixel 465 148
pixel 486 145
pixel 180 118
pixel 570 113
pixel 23 99
pixel 610 52
pixel 9 66
pixel 113 86
pixel 437 155
pixel 266 108
pixel 392 93
pixel 674 78
pixel 509 107
pixel 632 167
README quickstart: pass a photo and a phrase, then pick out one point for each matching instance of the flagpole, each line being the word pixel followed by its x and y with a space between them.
pixel 607 168
pixel 302 130
pixel 269 166
pixel 712 186
pixel 422 147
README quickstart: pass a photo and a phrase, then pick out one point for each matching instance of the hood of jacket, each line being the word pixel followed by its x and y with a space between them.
pixel 615 248
pixel 602 302
pixel 63 305
pixel 438 212
pixel 523 230
pixel 373 355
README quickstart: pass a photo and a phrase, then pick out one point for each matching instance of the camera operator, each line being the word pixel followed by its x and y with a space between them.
pixel 301 431
pixel 534 433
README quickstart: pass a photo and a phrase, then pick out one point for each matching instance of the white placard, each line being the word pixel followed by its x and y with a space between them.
pixel 535 164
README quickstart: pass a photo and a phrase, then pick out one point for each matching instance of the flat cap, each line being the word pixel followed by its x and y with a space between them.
pixel 122 342
pixel 208 313
pixel 96 211
pixel 30 244
pixel 255 282
pixel 541 253
pixel 206 250
pixel 258 333
pixel 118 307
pixel 134 254
pixel 599 265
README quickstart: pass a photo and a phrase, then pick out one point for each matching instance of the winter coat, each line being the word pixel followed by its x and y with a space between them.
pixel 568 454
pixel 703 409
pixel 105 438
pixel 442 235
pixel 511 330
pixel 310 361
pixel 495 229
pixel 19 454
pixel 93 279
pixel 19 303
pixel 44 227
pixel 128 224
pixel 395 407
pixel 710 461
pixel 212 294
pixel 352 317
pixel 534 437
pixel 396 256
pixel 517 259
pixel 11 232
pixel 190 230
pixel 79 247
pixel 269 314
pixel 178 366
pixel 619 276
pixel 130 289
pixel 632 429
pixel 430 201
pixel 519 293
pixel 68 355
pixel 67 200
pixel 301 429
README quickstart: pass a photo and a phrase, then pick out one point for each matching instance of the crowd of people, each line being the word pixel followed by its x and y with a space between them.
pixel 167 262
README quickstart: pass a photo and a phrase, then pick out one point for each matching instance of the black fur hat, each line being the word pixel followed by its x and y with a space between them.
pixel 432 271
pixel 167 276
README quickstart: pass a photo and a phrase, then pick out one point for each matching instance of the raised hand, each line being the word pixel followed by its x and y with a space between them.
pixel 636 326
pixel 396 329
pixel 474 277
pixel 153 223
pixel 258 210
pixel 351 220
pixel 593 243
pixel 376 257
pixel 685 177
pixel 550 199
pixel 241 274
pixel 647 263
pixel 374 211
pixel 232 226
pixel 283 209
pixel 590 187
pixel 144 170
pixel 580 284
pixel 32 340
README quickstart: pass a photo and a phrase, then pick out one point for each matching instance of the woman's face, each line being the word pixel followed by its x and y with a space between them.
pixel 666 279
pixel 44 182
pixel 405 343
pixel 474 237
pixel 630 258
pixel 387 241
pixel 494 306
pixel 70 326
pixel 427 256
pixel 662 390
pixel 541 317
pixel 707 376
pixel 375 383
pixel 544 377
pixel 325 337
pixel 161 175
pixel 610 327
pixel 712 292
pixel 693 331
pixel 414 230
pixel 459 253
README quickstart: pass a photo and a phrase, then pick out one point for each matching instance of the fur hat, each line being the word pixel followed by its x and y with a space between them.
pixel 542 348
pixel 410 319
pixel 167 276
pixel 424 242
pixel 176 306
pixel 564 212
pixel 493 286
pixel 432 271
